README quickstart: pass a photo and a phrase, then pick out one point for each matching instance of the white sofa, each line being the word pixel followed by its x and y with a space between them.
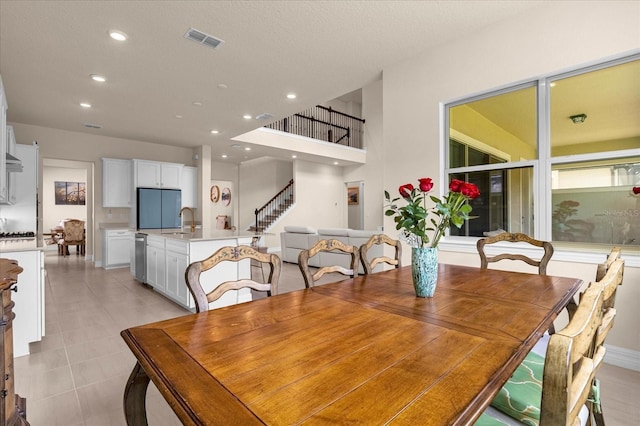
pixel 297 238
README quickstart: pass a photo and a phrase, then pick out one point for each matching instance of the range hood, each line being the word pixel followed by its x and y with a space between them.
pixel 14 164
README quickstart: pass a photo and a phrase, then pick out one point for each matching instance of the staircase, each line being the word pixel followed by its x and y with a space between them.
pixel 273 209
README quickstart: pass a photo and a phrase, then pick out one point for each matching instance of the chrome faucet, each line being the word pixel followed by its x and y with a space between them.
pixel 193 218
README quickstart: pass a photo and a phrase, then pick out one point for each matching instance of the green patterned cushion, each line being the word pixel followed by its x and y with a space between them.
pixel 521 396
pixel 487 420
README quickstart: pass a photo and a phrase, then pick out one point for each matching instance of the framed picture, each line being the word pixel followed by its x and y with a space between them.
pixel 215 193
pixel 226 196
pixel 70 193
pixel 353 195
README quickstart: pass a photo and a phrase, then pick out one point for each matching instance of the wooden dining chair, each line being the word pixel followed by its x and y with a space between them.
pixel 553 390
pixel 380 239
pixel 231 254
pixel 73 234
pixel 603 267
pixel 515 238
pixel 609 283
pixel 331 245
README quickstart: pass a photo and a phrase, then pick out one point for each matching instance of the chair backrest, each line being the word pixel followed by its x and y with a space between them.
pixel 73 230
pixel 515 238
pixel 231 254
pixel 609 285
pixel 604 267
pixel 569 365
pixel 327 246
pixel 380 239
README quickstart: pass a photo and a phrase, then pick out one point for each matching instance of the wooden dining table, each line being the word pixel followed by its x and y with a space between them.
pixel 363 350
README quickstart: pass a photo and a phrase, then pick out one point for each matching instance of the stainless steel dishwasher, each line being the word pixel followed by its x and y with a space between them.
pixel 141 257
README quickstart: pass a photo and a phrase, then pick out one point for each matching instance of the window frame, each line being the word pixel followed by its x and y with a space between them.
pixel 542 165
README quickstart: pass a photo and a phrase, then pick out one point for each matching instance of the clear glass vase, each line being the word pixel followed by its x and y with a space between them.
pixel 424 270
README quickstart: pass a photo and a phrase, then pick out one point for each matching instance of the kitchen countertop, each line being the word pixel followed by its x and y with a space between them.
pixel 108 225
pixel 13 245
pixel 198 235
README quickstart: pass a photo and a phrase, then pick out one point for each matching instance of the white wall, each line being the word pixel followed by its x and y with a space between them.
pixel 320 199
pixel 53 213
pixel 544 41
pixel 260 180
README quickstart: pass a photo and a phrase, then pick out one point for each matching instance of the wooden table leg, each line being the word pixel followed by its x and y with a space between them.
pixel 135 411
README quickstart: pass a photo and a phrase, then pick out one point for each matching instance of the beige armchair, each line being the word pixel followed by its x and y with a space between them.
pixel 73 234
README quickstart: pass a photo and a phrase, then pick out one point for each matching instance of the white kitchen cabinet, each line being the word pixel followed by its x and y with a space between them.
pixel 176 262
pixel 190 187
pixel 116 183
pixel 4 190
pixel 29 324
pixel 156 263
pixel 116 248
pixel 154 174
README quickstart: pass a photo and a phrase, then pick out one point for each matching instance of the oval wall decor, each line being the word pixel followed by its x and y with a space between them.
pixel 215 193
pixel 226 196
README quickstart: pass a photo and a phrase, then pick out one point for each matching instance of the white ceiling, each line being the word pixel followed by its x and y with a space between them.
pixel 318 49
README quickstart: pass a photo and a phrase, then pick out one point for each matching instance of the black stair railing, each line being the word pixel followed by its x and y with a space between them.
pixel 272 210
pixel 325 124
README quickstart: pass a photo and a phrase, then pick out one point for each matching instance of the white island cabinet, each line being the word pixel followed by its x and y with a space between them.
pixel 169 255
pixel 28 325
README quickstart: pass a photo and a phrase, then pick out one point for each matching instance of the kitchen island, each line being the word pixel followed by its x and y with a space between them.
pixel 28 325
pixel 169 253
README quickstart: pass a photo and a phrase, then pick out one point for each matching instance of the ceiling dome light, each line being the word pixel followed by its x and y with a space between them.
pixel 291 96
pixel 85 105
pixel 118 35
pixel 98 78
pixel 215 132
pixel 224 156
pixel 579 118
pixel 246 148
pixel 246 117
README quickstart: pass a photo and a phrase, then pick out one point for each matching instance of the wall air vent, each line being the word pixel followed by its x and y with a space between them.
pixel 92 126
pixel 203 38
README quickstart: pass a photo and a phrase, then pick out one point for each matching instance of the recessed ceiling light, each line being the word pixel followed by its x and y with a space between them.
pixel 294 156
pixel 98 78
pixel 117 35
pixel 196 103
pixel 222 86
pixel 224 156
pixel 85 105
pixel 553 84
pixel 335 163
pixel 178 116
pixel 246 117
pixel 291 96
pixel 246 148
pixel 215 132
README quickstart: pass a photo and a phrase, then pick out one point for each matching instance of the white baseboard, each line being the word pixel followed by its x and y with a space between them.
pixel 621 357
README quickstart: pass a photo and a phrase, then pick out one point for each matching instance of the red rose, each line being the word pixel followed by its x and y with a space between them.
pixel 405 190
pixel 425 184
pixel 470 190
pixel 636 190
pixel 455 185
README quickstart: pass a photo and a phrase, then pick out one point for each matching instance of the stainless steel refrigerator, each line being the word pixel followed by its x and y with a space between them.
pixel 159 208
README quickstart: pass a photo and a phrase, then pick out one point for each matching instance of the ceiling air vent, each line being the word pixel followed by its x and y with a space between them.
pixel 203 38
pixel 92 126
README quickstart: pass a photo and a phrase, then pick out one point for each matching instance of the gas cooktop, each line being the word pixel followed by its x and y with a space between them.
pixel 17 235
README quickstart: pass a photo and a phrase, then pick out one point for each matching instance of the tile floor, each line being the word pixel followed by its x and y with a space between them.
pixel 77 373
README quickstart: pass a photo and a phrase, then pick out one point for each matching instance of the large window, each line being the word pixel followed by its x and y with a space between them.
pixel 556 158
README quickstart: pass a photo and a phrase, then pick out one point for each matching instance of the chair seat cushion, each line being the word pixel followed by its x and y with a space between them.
pixel 521 396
